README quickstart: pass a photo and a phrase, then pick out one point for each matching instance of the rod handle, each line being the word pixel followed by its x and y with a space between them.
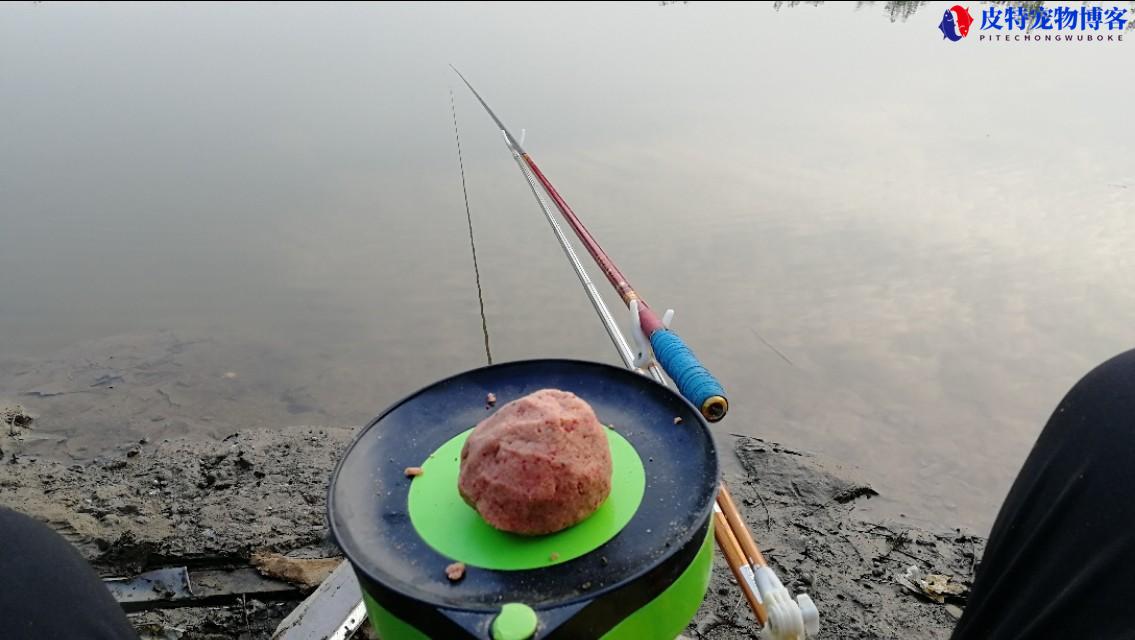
pixel 694 381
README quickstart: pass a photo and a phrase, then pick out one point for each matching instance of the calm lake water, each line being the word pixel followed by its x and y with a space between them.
pixel 216 217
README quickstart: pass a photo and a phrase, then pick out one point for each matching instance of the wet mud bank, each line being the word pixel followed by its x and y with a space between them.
pixel 244 517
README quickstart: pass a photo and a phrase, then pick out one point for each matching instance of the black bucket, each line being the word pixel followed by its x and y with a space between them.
pixel 638 568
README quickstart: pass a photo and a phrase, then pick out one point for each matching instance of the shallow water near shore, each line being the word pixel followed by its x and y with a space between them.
pixel 893 249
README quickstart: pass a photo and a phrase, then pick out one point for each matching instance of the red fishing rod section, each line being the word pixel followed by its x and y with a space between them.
pixel 648 319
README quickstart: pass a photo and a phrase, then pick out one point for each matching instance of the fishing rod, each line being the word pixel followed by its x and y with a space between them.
pixel 786 618
pixel 653 336
pixel 724 525
pixel 613 331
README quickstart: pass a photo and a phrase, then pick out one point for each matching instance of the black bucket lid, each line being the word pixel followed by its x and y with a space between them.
pixel 368 500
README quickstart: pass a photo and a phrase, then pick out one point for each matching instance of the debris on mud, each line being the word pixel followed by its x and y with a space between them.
pixel 14 416
pixel 308 573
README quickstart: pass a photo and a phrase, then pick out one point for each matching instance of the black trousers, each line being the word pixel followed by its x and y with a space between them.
pixel 1060 562
pixel 47 590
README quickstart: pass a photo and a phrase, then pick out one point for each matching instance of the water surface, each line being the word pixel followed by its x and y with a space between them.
pixel 222 216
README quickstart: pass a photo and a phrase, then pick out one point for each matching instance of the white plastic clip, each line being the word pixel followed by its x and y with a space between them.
pixel 523 135
pixel 644 354
pixel 788 619
pixel 508 143
pixel 810 614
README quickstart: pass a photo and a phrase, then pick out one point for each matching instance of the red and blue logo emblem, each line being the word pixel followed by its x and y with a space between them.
pixel 955 23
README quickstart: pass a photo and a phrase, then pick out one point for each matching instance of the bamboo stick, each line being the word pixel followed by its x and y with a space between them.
pixel 740 529
pixel 735 558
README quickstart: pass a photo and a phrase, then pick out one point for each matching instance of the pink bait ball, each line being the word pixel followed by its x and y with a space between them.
pixel 540 464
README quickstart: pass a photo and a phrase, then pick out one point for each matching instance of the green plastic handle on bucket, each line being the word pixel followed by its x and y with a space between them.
pixel 516 621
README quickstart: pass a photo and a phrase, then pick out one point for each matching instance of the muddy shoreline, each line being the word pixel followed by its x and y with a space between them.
pixel 214 505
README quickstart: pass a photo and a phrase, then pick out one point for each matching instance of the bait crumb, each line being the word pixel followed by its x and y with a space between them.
pixel 413 472
pixel 677 419
pixel 603 560
pixel 554 556
pixel 491 399
pixel 455 571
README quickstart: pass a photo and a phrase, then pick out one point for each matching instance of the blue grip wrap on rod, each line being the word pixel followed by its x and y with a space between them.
pixel 694 381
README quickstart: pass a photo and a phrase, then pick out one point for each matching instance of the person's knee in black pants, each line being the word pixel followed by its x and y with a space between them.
pixel 1058 563
pixel 47 590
